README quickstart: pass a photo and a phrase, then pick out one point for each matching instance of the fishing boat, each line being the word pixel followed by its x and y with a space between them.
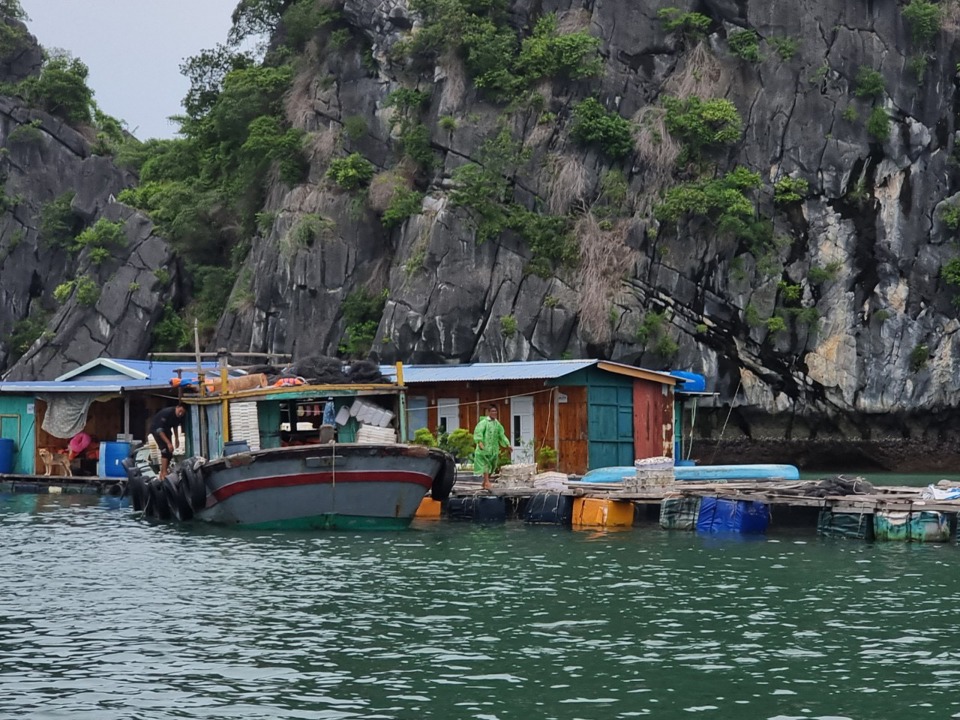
pixel 296 456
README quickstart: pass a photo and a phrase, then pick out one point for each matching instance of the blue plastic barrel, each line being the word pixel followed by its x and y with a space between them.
pixel 7 450
pixel 113 454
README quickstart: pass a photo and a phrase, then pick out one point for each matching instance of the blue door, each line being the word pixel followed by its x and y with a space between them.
pixel 18 423
pixel 610 426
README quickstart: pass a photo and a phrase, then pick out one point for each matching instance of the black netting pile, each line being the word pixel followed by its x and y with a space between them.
pixel 365 371
pixel 838 485
pixel 317 370
pixel 323 370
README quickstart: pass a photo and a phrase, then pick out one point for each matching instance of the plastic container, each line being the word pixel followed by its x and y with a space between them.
pixel 733 516
pixel 7 451
pixel 482 508
pixel 549 509
pixel 113 454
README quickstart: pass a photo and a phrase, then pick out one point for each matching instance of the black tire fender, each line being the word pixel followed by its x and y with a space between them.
pixel 196 489
pixel 158 506
pixel 444 480
pixel 137 490
pixel 176 490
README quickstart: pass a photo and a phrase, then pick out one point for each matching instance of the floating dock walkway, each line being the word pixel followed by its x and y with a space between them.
pixel 746 507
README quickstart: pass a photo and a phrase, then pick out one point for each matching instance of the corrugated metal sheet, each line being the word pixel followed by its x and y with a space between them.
pixel 158 377
pixel 527 370
pixel 81 386
pixel 532 370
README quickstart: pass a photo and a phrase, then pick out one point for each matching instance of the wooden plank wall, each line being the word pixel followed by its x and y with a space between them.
pixel 474 397
pixel 574 445
pixel 652 420
pixel 104 421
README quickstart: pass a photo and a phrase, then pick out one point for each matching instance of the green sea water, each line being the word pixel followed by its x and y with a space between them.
pixel 104 616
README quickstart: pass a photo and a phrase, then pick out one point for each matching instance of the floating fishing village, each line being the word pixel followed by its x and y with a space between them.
pixel 319 445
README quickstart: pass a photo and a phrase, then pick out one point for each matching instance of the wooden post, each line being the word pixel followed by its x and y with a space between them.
pixel 401 405
pixel 224 392
pixel 556 423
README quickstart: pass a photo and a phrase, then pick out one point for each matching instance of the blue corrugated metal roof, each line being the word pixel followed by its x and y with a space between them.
pixel 530 370
pixel 139 375
pixel 524 370
pixel 120 369
pixel 97 387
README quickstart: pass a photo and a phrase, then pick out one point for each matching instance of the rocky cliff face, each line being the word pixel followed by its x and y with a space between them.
pixel 107 302
pixel 835 322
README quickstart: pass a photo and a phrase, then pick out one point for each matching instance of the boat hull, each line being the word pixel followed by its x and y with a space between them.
pixel 336 487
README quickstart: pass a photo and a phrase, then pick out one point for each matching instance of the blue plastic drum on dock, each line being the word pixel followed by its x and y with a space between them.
pixel 7 450
pixel 113 454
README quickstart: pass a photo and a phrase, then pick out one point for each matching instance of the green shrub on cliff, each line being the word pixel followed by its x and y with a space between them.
pixel 361 316
pixel 13 38
pixel 403 204
pixel 691 24
pixel 593 125
pixel 925 20
pixel 549 54
pixel 790 190
pixel 58 223
pixel 26 331
pixel 61 89
pixel 498 60
pixel 869 83
pixel 351 172
pixel 722 201
pixel 745 44
pixel 878 124
pixel 702 125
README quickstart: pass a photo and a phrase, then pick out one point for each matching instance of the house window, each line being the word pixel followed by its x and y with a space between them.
pixel 448 415
pixel 416 415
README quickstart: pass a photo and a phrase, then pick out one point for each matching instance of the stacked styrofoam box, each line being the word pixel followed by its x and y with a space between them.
pixel 368 414
pixel 551 480
pixel 652 473
pixel 519 475
pixel 373 435
pixel 245 424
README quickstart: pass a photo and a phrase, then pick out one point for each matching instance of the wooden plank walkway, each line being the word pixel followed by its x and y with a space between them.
pixel 56 484
pixel 887 498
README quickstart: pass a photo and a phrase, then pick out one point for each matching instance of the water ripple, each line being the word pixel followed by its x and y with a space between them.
pixel 103 616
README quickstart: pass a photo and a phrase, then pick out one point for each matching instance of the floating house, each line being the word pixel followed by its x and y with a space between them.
pixel 111 400
pixel 593 413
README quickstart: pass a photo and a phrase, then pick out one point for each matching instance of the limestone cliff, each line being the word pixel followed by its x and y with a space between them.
pixel 78 302
pixel 832 318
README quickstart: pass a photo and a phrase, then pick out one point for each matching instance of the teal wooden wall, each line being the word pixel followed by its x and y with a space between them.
pixel 609 416
pixel 18 425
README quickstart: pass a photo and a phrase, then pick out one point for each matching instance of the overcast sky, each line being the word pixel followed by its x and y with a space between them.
pixel 133 49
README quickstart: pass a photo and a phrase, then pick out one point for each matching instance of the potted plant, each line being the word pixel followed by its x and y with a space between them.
pixel 546 458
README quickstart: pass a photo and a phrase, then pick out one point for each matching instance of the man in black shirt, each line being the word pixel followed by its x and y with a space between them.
pixel 161 427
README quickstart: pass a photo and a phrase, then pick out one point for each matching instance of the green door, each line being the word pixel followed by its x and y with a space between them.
pixel 17 423
pixel 610 426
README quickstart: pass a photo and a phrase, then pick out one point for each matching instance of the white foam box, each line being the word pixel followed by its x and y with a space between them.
pixel 343 416
pixel 387 418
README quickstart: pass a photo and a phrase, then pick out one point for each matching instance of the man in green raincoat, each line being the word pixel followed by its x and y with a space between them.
pixel 490 437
